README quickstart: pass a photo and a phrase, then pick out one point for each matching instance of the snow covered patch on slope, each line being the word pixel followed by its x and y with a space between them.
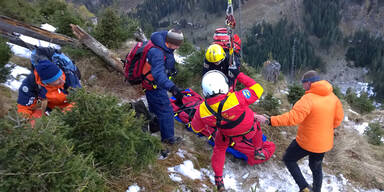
pixel 179 59
pixel 19 51
pixel 133 188
pixel 186 169
pixel 286 92
pixel 26 53
pixel 357 86
pixel 18 74
pixel 181 153
pixel 361 127
pixel 48 27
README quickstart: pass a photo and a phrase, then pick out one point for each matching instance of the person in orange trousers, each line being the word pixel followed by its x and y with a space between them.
pixel 317 114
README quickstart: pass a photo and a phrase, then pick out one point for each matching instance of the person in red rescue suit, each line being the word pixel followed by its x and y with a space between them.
pixel 230 113
pixel 47 83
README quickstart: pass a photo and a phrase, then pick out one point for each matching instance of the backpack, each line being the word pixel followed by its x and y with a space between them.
pixel 222 38
pixel 135 67
pixel 72 73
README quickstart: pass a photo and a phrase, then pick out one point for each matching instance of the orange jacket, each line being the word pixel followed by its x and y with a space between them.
pixel 317 113
pixel 56 95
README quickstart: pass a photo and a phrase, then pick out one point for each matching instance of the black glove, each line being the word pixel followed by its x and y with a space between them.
pixel 177 94
pixel 233 72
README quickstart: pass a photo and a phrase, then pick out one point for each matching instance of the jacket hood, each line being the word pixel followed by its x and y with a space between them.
pixel 321 88
pixel 158 38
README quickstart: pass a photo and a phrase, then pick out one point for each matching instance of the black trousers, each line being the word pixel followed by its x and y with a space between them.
pixel 294 153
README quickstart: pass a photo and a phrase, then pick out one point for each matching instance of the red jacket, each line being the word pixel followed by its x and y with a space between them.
pixel 236 104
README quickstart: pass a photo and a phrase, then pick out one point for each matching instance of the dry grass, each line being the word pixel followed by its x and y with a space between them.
pixel 356 159
pixel 96 77
pixel 7 100
pixel 21 61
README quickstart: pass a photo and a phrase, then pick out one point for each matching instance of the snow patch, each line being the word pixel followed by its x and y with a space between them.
pixel 361 127
pixel 181 153
pixel 350 110
pixel 284 92
pixel 187 170
pixel 175 177
pixel 179 59
pixel 18 74
pixel 133 188
pixel 48 27
pixel 26 53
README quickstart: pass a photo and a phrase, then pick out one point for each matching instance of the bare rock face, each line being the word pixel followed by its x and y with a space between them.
pixel 271 70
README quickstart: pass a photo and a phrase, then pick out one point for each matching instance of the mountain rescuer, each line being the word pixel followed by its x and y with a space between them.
pixel 162 62
pixel 47 83
pixel 317 113
pixel 230 114
pixel 216 58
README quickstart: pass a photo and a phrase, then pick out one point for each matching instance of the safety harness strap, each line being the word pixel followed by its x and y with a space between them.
pixel 230 124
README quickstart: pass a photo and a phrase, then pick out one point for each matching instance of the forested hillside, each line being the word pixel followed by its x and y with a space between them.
pixel 104 144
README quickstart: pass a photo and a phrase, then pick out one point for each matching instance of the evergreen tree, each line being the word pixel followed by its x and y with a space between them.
pixel 295 93
pixel 367 51
pixel 104 127
pixel 110 30
pixel 22 10
pixel 5 55
pixel 40 159
pixel 322 18
pixel 279 40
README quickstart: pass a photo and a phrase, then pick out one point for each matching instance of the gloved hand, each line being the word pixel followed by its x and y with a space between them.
pixel 233 72
pixel 176 92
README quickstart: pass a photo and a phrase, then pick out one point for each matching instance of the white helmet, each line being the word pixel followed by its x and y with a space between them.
pixel 214 82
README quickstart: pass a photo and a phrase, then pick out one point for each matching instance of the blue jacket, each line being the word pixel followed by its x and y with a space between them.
pixel 29 91
pixel 160 67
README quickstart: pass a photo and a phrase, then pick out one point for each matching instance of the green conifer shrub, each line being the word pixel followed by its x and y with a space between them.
pixel 362 104
pixel 186 48
pixel 22 10
pixel 112 29
pixel 60 15
pixel 106 128
pixel 374 132
pixel 189 73
pixel 5 55
pixel 270 104
pixel 337 92
pixel 38 159
pixel 295 92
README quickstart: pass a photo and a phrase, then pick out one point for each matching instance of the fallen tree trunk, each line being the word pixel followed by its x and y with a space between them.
pixel 16 40
pixel 11 28
pixel 99 49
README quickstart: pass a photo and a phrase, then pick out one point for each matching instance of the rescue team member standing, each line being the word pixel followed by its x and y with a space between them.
pixel 162 63
pixel 230 114
pixel 317 113
pixel 46 83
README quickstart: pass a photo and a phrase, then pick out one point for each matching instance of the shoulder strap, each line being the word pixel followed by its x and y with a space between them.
pixel 230 124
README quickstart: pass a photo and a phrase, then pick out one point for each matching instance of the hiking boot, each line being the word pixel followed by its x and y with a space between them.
pixel 219 183
pixel 259 154
pixel 172 140
pixel 307 189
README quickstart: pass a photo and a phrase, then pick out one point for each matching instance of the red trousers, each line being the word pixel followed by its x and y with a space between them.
pixel 222 143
